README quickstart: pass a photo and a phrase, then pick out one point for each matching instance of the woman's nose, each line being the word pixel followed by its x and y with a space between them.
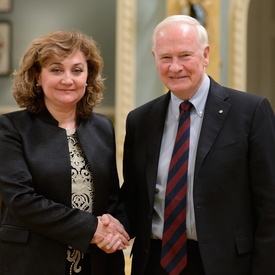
pixel 66 80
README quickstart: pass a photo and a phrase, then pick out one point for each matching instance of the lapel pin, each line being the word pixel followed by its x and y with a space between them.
pixel 220 111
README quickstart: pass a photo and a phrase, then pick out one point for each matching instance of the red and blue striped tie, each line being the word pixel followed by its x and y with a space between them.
pixel 174 246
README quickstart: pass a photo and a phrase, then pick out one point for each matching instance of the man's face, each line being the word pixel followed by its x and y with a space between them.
pixel 180 60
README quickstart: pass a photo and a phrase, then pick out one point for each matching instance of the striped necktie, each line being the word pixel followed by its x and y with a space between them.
pixel 174 250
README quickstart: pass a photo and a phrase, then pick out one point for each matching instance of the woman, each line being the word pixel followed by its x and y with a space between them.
pixel 57 165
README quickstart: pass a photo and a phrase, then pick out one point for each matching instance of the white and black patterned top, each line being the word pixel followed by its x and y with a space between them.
pixel 82 191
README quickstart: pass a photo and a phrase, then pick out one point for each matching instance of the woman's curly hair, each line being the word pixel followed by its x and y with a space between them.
pixel 58 44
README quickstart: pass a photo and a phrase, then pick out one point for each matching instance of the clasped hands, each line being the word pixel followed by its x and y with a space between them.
pixel 110 235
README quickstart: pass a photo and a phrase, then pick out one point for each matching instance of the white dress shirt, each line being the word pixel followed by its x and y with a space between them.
pixel 169 134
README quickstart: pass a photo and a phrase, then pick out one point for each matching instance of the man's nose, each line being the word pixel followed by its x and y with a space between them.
pixel 176 65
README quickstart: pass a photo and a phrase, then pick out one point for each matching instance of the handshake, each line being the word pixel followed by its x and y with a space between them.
pixel 110 235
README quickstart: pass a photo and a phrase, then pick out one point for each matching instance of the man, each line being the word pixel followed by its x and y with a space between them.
pixel 230 216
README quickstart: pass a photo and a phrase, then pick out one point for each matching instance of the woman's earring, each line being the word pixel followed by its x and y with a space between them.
pixel 38 89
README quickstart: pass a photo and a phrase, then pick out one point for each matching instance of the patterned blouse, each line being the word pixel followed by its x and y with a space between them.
pixel 82 192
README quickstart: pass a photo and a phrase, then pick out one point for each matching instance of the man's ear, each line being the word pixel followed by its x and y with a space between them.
pixel 206 55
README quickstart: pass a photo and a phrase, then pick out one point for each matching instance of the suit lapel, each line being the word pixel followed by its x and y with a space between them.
pixel 216 111
pixel 154 120
pixel 90 142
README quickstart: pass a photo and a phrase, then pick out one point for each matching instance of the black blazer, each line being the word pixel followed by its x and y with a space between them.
pixel 37 221
pixel 234 182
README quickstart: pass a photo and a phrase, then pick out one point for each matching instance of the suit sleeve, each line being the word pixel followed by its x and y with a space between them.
pixel 262 176
pixel 127 207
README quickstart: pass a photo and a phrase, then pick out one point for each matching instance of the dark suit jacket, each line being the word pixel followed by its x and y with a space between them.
pixel 234 182
pixel 37 221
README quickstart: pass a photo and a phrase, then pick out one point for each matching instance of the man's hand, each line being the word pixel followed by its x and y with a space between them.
pixel 110 234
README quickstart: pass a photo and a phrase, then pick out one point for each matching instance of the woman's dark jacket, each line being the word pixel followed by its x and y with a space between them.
pixel 37 222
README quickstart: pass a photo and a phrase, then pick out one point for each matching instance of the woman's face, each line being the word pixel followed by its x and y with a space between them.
pixel 64 81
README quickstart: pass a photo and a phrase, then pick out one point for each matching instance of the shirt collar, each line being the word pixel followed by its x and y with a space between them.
pixel 198 99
